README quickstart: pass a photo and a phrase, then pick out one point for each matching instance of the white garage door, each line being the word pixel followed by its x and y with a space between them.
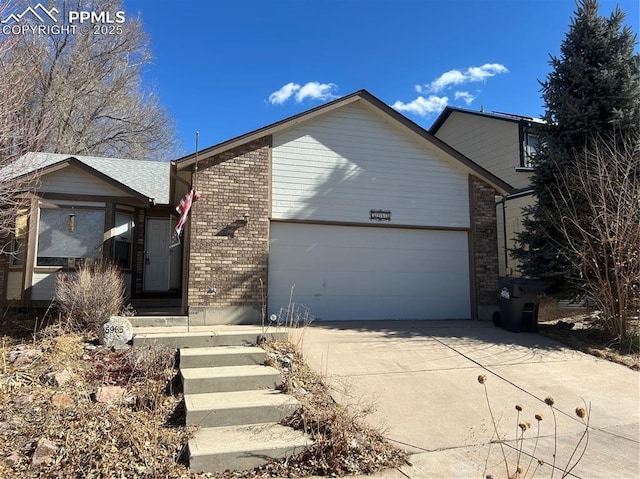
pixel 354 273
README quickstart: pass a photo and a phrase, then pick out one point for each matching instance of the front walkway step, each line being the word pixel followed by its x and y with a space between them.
pixel 242 447
pixel 156 321
pixel 221 356
pixel 203 339
pixel 238 407
pixel 229 378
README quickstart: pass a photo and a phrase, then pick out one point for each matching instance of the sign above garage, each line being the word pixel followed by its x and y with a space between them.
pixel 380 215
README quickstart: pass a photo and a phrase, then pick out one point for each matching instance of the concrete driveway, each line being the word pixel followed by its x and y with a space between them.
pixel 421 377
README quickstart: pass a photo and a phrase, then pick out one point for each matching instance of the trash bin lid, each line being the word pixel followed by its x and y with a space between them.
pixel 525 285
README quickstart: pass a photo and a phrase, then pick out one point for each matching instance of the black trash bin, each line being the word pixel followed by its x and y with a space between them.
pixel 519 301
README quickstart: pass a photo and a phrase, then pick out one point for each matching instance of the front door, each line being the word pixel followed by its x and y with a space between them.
pixel 156 256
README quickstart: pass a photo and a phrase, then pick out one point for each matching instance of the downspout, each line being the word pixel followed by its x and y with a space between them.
pixel 503 202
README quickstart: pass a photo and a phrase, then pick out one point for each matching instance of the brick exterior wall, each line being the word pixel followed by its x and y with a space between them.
pixel 484 245
pixel 227 253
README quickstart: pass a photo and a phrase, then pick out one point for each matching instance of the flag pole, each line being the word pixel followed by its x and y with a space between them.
pixel 193 187
pixel 195 170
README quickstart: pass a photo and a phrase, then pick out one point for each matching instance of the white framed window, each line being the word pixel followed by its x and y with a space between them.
pixel 530 145
pixel 123 240
pixel 67 235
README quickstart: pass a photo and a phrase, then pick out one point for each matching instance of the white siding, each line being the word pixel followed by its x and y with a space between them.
pixel 74 181
pixel 492 143
pixel 353 273
pixel 349 161
pixel 14 285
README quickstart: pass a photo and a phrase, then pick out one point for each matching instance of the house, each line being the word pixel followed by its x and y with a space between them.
pixel 85 209
pixel 349 208
pixel 503 144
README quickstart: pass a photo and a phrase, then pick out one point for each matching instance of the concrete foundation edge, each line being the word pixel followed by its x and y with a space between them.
pixel 212 315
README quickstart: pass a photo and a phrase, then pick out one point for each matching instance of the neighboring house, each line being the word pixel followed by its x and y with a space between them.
pixel 86 209
pixel 503 144
pixel 348 208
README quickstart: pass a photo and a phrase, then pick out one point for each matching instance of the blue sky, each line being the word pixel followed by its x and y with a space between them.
pixel 226 67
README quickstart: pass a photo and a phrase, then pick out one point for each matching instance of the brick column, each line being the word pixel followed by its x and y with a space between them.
pixel 484 247
pixel 229 240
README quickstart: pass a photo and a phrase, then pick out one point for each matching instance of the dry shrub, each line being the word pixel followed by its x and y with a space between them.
pixel 152 370
pixel 89 296
pixel 154 361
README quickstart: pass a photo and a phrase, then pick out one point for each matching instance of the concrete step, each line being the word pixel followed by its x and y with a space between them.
pixel 229 378
pixel 238 407
pixel 177 338
pixel 242 447
pixel 221 356
pixel 156 321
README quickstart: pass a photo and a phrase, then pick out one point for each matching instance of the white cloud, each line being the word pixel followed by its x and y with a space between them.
pixel 458 77
pixel 316 91
pixel 452 77
pixel 422 106
pixel 485 71
pixel 466 96
pixel 313 90
pixel 283 94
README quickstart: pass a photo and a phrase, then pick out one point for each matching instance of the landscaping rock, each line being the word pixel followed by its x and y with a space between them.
pixel 62 400
pixel 22 401
pixel 107 394
pixel 22 356
pixel 120 346
pixel 10 425
pixel 45 450
pixel 12 459
pixel 60 378
pixel 116 331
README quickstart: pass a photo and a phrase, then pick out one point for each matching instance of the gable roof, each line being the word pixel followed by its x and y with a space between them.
pixel 360 96
pixel 495 115
pixel 147 180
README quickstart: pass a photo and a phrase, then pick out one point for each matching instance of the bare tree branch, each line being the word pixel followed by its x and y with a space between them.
pixel 602 231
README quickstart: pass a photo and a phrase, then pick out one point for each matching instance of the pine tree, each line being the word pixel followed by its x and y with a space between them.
pixel 592 90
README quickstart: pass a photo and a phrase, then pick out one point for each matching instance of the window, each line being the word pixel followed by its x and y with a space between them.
pixel 123 240
pixel 530 144
pixel 66 235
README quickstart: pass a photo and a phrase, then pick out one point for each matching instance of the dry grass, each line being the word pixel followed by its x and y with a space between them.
pixel 581 329
pixel 51 398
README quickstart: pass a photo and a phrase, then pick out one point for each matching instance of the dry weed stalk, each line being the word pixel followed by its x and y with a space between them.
pixel 522 426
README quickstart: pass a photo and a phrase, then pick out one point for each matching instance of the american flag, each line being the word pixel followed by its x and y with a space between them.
pixel 183 210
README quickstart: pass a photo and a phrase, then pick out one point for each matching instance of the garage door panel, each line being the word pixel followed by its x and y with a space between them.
pixel 369 273
pixel 335 259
